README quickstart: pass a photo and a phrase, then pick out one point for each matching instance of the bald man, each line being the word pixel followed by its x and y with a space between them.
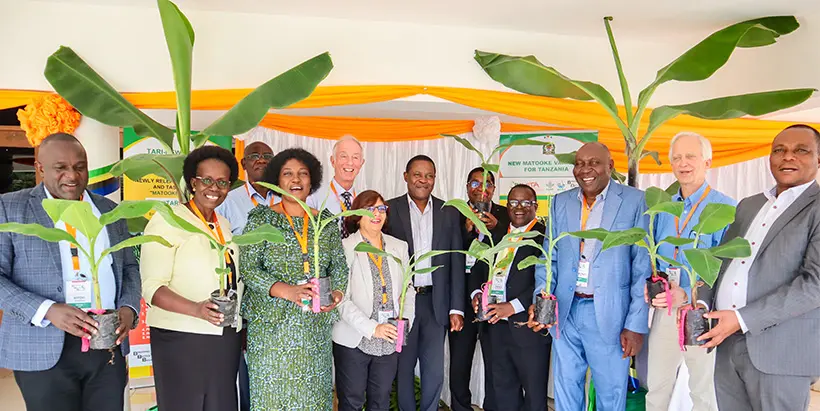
pixel 602 316
pixel 347 160
pixel 40 339
pixel 240 201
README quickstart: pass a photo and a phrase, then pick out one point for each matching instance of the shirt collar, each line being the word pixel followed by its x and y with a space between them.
pixel 514 229
pixel 252 190
pixel 791 193
pixel 693 197
pixel 339 188
pixel 601 196
pixel 414 206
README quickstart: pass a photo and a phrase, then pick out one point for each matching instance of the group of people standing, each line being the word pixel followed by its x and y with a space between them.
pixel 287 357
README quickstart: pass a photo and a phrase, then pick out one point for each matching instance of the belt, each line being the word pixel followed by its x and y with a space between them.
pixel 424 290
pixel 582 295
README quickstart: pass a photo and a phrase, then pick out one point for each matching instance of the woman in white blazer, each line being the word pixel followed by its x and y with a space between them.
pixel 364 344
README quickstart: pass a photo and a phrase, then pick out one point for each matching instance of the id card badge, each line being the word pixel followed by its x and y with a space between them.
pixel 583 274
pixel 384 316
pixel 469 263
pixel 497 288
pixel 674 275
pixel 78 294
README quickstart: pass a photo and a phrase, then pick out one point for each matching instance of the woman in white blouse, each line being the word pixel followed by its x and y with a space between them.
pixel 364 343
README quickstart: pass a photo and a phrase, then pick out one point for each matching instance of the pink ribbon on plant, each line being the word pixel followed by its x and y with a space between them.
pixel 316 307
pixel 485 295
pixel 86 343
pixel 666 290
pixel 400 335
pixel 681 326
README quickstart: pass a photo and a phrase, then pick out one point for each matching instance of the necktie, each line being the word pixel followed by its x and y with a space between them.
pixel 346 196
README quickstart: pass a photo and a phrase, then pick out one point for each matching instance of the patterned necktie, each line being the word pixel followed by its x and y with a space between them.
pixel 346 196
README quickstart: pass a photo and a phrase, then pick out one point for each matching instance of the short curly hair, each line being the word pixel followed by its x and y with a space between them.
pixel 203 153
pixel 313 164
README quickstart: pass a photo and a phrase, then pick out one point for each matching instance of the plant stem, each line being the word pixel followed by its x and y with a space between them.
pixel 180 194
pixel 632 172
pixel 222 274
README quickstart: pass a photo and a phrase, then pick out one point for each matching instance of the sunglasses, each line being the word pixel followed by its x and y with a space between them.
pixel 382 208
pixel 207 182
pixel 257 156
pixel 476 184
pixel 522 203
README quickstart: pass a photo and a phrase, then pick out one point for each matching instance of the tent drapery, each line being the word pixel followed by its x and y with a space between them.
pixel 733 141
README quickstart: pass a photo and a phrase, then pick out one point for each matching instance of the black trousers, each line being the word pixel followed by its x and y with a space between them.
pixel 80 381
pixel 361 376
pixel 195 372
pixel 425 344
pixel 521 371
pixel 462 350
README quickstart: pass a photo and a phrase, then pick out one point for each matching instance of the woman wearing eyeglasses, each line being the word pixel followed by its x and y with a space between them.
pixel 195 360
pixel 364 346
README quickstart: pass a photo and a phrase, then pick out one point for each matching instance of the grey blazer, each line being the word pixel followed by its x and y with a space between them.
pixel 30 272
pixel 782 309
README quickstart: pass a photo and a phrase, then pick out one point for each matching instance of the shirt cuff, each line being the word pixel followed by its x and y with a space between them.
pixel 742 324
pixel 136 316
pixel 517 305
pixel 474 293
pixel 457 312
pixel 39 318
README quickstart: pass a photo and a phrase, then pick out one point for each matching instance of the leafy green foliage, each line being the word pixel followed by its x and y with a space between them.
pixel 53 235
pixel 467 212
pixel 265 232
pixel 734 248
pixel 714 217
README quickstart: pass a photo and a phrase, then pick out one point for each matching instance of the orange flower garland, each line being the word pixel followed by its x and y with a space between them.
pixel 47 115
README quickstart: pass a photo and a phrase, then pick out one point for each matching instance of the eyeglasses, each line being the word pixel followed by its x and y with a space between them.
pixel 257 156
pixel 207 181
pixel 382 208
pixel 476 184
pixel 522 203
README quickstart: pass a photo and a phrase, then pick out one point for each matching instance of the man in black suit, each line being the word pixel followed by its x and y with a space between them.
pixel 520 357
pixel 419 219
pixel 462 343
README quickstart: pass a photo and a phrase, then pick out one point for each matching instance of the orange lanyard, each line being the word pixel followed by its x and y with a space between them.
pixel 303 239
pixel 679 229
pixel 509 230
pixel 585 211
pixel 253 200
pixel 75 255
pixel 218 234
pixel 342 203
pixel 378 262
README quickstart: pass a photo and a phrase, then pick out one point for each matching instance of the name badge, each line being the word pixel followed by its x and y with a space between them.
pixel 78 294
pixel 384 316
pixel 470 262
pixel 583 274
pixel 674 275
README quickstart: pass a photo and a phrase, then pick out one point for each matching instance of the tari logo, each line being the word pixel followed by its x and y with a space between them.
pixel 548 148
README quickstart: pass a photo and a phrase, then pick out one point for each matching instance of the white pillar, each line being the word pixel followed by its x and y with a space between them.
pixel 102 144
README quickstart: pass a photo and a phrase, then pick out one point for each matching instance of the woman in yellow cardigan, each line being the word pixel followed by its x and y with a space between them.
pixel 195 360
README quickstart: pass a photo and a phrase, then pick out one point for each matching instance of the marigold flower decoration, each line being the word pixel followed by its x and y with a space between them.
pixel 47 115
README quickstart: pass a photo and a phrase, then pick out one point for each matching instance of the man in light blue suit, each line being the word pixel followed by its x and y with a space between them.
pixel 602 317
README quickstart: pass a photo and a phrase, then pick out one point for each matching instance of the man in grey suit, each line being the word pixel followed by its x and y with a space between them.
pixel 768 305
pixel 40 338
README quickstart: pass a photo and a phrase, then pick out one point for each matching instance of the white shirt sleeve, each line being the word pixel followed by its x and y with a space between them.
pixel 517 305
pixel 742 323
pixel 457 312
pixel 39 318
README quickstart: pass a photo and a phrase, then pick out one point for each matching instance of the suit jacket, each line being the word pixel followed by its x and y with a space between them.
pixel 498 211
pixel 520 285
pixel 357 305
pixel 620 272
pixel 448 281
pixel 782 311
pixel 31 272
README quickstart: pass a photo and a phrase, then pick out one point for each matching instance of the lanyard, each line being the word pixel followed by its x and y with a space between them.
pixel 585 211
pixel 509 230
pixel 678 228
pixel 378 262
pixel 218 234
pixel 342 203
pixel 253 200
pixel 303 239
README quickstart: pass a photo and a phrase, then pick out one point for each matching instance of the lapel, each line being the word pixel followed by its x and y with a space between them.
pixel 38 194
pixel 802 202
pixel 403 211
pixel 611 205
pixel 114 234
pixel 364 264
pixel 573 211
pixel 438 224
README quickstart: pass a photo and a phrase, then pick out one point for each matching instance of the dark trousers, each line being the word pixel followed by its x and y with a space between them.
pixel 80 381
pixel 361 376
pixel 521 371
pixel 462 350
pixel 195 372
pixel 425 344
pixel 244 378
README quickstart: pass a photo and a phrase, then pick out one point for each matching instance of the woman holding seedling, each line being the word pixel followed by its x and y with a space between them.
pixel 196 357
pixel 364 341
pixel 289 346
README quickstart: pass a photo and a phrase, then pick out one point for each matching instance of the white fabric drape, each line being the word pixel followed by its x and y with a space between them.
pixel 738 181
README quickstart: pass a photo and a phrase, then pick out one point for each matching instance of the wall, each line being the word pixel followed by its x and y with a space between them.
pixel 126 46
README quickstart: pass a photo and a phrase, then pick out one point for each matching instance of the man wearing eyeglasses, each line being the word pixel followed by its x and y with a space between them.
pixel 462 344
pixel 239 202
pixel 347 160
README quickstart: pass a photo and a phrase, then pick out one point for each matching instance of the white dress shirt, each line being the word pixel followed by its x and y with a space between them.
pixel 422 226
pixel 515 302
pixel 238 204
pixel 105 271
pixel 734 284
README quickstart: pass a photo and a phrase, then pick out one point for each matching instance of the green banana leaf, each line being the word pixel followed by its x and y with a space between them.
pixel 179 35
pixel 168 166
pixel 673 188
pixel 132 242
pixel 704 264
pixel 467 212
pixel 655 195
pixel 627 237
pixel 93 97
pixel 677 241
pixel 283 90
pixel 674 208
pixel 130 209
pixel 735 248
pixel 531 261
pixel 714 217
pixel 53 235
pixel 265 232
pixel 75 213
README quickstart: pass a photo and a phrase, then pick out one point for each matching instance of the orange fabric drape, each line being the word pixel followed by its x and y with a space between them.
pixel 239 153
pixel 733 141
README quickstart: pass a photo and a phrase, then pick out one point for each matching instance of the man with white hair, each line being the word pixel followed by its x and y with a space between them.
pixel 347 159
pixel 690 155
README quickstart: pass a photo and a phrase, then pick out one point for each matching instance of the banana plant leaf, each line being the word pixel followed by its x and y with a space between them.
pixel 670 207
pixel 92 96
pixel 677 241
pixel 53 235
pixel 531 261
pixel 704 264
pixel 655 195
pixel 714 217
pixel 75 213
pixel 627 237
pixel 265 232
pixel 467 212
pixel 734 248
pixel 134 241
pixel 179 35
pixel 168 166
pixel 129 209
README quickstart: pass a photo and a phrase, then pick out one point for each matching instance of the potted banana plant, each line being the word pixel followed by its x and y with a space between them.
pixel 546 304
pixel 705 263
pixel 321 284
pixel 79 214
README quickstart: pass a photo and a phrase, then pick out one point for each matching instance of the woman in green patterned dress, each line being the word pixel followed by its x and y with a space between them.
pixel 289 346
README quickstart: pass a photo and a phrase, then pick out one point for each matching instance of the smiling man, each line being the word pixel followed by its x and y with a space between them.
pixel 602 314
pixel 347 160
pixel 241 200
pixel 768 319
